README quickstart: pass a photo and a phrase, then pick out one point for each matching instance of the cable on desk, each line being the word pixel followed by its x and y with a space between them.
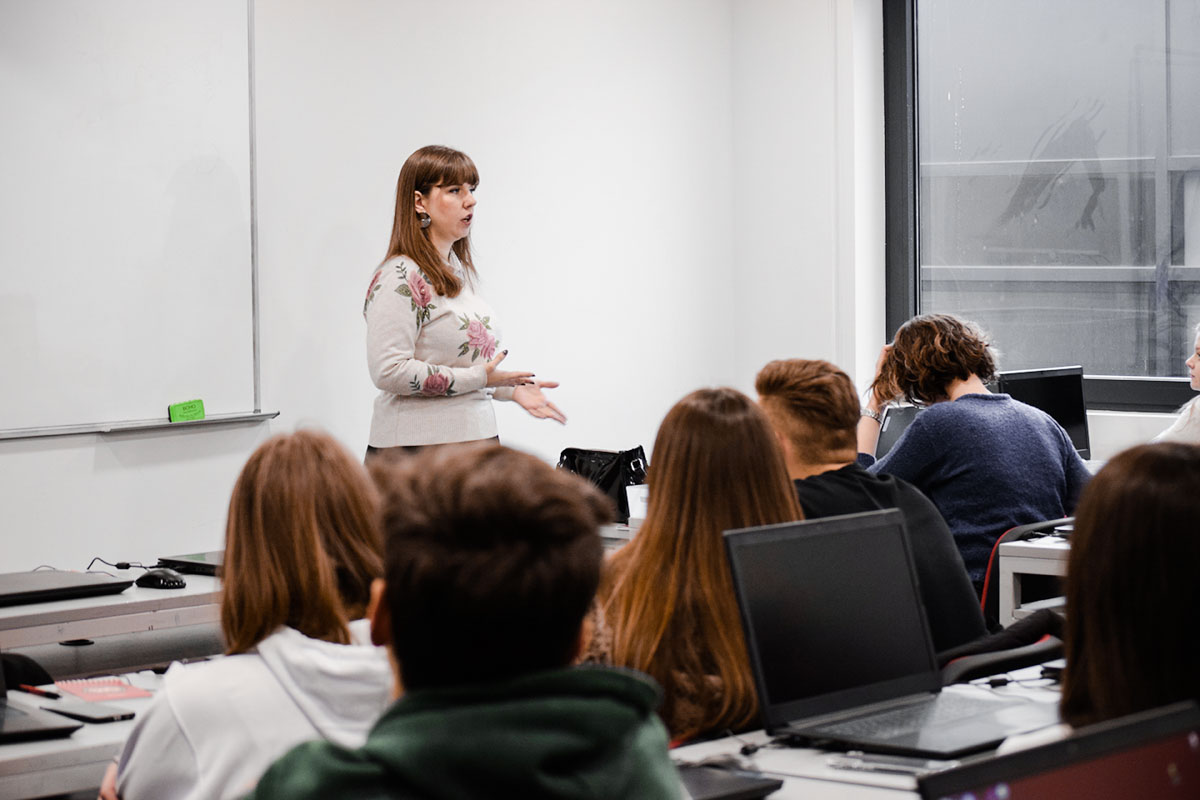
pixel 118 565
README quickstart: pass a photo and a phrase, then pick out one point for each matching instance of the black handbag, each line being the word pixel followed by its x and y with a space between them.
pixel 610 471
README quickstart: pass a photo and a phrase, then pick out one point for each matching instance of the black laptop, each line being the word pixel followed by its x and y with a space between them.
pixel 896 420
pixel 840 646
pixel 44 585
pixel 195 563
pixel 1154 755
pixel 22 723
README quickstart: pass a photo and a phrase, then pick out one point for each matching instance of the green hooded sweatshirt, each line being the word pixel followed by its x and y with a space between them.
pixel 579 732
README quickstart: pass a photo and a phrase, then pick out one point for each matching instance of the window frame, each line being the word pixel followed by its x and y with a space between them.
pixel 902 242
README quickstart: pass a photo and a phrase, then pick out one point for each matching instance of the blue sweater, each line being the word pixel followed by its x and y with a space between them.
pixel 988 463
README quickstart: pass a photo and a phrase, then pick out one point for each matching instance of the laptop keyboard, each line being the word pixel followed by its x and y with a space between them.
pixel 910 718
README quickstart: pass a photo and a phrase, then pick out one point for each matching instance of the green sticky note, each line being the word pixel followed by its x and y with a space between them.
pixel 186 411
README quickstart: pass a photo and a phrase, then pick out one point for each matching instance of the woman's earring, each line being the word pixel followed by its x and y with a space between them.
pixel 424 218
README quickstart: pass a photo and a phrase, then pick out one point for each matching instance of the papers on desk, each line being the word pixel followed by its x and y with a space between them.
pixel 96 690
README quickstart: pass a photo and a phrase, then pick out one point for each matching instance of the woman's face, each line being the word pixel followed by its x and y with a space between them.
pixel 1193 365
pixel 450 210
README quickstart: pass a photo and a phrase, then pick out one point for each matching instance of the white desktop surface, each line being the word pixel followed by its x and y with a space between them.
pixel 1043 556
pixel 135 609
pixel 806 774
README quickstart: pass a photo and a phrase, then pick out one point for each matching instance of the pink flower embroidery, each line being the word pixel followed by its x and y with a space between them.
pixel 371 290
pixel 421 294
pixel 436 384
pixel 479 339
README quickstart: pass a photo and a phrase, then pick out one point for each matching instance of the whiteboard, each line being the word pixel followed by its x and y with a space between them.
pixel 126 278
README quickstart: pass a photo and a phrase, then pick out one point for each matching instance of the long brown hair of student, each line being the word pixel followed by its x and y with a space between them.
pixel 302 542
pixel 1131 638
pixel 668 595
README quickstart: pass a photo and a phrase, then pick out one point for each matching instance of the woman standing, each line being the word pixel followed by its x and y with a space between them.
pixel 987 461
pixel 432 342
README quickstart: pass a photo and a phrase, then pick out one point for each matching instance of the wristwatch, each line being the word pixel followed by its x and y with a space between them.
pixel 875 415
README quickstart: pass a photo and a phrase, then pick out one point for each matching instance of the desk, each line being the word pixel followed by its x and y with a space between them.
pixel 1044 556
pixel 134 610
pixel 806 774
pixel 616 536
pixel 73 764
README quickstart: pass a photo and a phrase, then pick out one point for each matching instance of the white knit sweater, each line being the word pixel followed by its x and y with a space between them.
pixel 427 354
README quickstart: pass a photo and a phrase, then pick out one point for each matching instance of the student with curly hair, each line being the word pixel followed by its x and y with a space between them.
pixel 987 461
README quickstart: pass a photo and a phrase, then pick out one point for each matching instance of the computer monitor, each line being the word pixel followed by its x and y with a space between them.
pixel 1059 392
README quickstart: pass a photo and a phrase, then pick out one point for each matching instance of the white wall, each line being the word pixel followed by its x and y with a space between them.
pixel 603 133
pixel 673 193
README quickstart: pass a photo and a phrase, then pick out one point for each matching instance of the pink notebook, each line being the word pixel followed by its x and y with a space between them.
pixel 101 689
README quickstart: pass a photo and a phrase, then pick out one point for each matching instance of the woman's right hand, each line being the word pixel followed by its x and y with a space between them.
pixel 497 378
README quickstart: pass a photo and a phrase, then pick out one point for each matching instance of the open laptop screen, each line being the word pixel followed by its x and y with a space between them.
pixel 1146 756
pixel 1058 392
pixel 831 612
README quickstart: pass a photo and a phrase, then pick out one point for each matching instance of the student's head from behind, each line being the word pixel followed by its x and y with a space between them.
pixel 492 559
pixel 668 594
pixel 301 542
pixel 813 407
pixel 929 353
pixel 1132 637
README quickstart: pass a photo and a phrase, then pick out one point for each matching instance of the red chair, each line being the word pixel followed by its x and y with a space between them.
pixel 990 598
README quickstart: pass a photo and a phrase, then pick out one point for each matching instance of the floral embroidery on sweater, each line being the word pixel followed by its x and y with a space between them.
pixel 416 289
pixel 479 337
pixel 372 289
pixel 436 383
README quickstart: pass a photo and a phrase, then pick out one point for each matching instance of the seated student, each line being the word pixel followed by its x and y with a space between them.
pixel 813 407
pixel 301 550
pixel 492 561
pixel 666 604
pixel 987 461
pixel 1186 427
pixel 1132 641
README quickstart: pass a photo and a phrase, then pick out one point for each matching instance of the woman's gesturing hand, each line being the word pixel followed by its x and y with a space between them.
pixel 498 378
pixel 530 398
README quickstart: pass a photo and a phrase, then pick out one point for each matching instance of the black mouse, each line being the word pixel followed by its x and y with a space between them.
pixel 161 578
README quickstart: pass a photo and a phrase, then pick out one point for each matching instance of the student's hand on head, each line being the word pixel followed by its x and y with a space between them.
pixel 872 401
pixel 531 399
pixel 497 378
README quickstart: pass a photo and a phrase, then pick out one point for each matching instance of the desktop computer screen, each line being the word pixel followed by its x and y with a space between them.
pixel 1057 391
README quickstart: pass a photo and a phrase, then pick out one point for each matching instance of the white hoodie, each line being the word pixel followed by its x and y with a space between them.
pixel 215 727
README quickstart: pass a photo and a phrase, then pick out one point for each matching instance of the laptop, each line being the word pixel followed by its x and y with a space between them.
pixel 21 723
pixel 1154 755
pixel 896 420
pixel 1059 392
pixel 840 646
pixel 195 563
pixel 43 585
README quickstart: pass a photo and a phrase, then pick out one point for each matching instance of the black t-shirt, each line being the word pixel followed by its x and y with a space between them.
pixel 950 601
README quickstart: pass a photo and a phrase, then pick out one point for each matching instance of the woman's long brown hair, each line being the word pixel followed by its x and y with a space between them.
pixel 668 594
pixel 1131 637
pixel 428 167
pixel 302 542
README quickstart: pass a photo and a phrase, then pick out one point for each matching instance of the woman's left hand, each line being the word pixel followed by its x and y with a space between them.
pixel 530 398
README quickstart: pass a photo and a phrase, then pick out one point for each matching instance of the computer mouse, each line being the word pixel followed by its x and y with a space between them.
pixel 161 578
